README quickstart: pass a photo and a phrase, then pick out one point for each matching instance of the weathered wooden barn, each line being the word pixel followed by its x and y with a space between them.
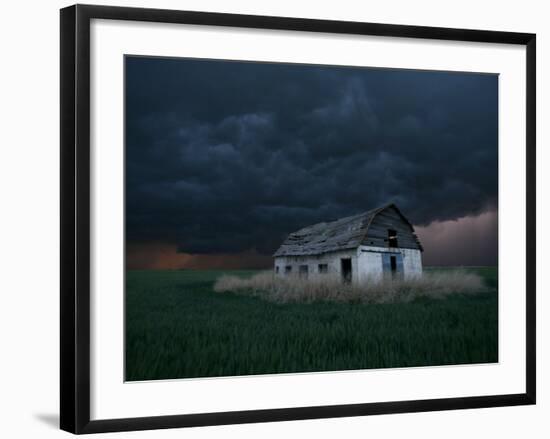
pixel 366 247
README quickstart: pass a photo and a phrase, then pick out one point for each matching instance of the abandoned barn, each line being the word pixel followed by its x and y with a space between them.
pixel 366 247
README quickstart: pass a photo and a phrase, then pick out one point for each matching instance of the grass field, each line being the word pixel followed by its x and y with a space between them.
pixel 178 327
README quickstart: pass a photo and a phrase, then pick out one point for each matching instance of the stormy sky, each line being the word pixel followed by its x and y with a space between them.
pixel 225 158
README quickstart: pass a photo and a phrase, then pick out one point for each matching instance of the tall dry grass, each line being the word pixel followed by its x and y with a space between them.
pixel 285 289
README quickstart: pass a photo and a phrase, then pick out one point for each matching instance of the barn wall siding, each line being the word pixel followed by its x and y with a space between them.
pixel 371 267
pixel 366 262
pixel 377 234
pixel 412 263
pixel 331 259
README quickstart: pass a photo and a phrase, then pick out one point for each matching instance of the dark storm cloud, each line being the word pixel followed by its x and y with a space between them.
pixel 227 157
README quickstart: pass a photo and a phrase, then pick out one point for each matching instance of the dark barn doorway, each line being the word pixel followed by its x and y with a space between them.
pixel 393 265
pixel 346 270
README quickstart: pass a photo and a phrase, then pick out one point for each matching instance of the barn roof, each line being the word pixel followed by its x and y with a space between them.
pixel 342 234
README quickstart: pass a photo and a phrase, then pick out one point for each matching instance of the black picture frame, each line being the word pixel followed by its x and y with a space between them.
pixel 75 217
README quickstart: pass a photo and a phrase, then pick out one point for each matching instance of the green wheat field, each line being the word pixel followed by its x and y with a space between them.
pixel 178 327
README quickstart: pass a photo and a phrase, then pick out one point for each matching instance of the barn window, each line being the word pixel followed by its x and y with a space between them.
pixel 303 271
pixel 277 269
pixel 288 269
pixel 323 268
pixel 392 238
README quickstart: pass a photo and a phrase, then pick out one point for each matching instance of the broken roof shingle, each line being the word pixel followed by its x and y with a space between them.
pixel 342 234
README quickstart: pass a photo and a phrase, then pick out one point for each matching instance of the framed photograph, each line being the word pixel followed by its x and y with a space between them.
pixel 268 219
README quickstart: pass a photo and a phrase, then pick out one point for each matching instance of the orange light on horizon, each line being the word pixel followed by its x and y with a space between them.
pixel 164 256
